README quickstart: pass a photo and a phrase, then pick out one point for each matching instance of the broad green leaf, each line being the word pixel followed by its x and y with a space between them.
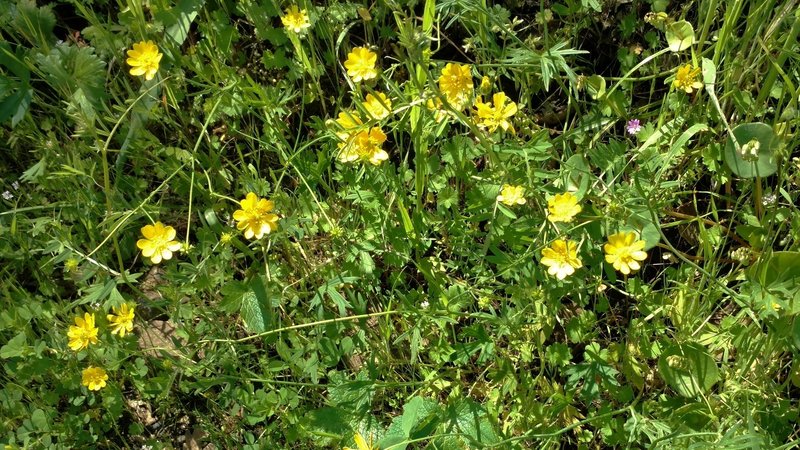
pixel 688 369
pixel 16 105
pixel 754 156
pixel 256 307
pixel 680 35
pixel 14 347
pixel 596 86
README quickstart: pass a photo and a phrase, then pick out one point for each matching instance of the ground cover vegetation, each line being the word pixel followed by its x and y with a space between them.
pixel 439 224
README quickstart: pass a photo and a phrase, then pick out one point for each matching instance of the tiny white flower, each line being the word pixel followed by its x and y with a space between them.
pixel 8 195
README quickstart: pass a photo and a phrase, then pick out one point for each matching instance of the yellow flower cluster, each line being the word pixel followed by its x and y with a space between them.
pixel 84 333
pixel 455 84
pixel 623 251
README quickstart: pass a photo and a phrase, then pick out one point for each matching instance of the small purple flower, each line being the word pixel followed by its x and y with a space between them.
pixel 634 126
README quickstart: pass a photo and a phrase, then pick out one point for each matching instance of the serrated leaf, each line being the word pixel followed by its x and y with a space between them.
pixel 77 74
pixel 35 24
pixel 470 419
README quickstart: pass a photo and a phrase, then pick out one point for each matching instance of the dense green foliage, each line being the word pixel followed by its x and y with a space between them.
pixel 403 297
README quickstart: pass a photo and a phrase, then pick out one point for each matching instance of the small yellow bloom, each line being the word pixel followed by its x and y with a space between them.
pixel 364 145
pixel 486 85
pixel 512 195
pixel 348 123
pixel 82 333
pixel 255 217
pixel 144 59
pixel 456 85
pixel 295 19
pixel 624 252
pixel 122 319
pixel 561 258
pixel 378 107
pixel 158 242
pixel 361 443
pixel 686 78
pixel 360 64
pixel 94 378
pixel 434 104
pixel 562 208
pixel 493 117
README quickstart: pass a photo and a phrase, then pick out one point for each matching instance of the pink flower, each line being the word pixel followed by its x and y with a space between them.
pixel 633 126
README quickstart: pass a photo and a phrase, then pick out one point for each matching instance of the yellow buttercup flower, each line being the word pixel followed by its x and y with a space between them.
pixel 255 217
pixel 82 333
pixel 360 64
pixel 378 107
pixel 364 145
pixel 511 195
pixel 361 443
pixel 295 19
pixel 561 258
pixel 158 243
pixel 94 378
pixel 624 252
pixel 122 319
pixel 562 208
pixel 144 59
pixel 686 78
pixel 456 85
pixel 494 117
pixel 348 122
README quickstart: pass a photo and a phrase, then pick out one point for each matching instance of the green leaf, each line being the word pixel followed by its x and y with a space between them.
pixel 16 105
pixel 35 24
pixel 256 307
pixel 680 35
pixel 596 86
pixel 14 347
pixel 472 421
pixel 178 20
pixel 755 155
pixel 77 74
pixel 688 369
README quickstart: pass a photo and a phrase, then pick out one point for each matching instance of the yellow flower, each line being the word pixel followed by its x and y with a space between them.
pixel 486 85
pixel 686 78
pixel 492 117
pixel 512 195
pixel 255 217
pixel 94 378
pixel 82 333
pixel 434 104
pixel 562 207
pixel 348 123
pixel 456 85
pixel 364 145
pixel 122 320
pixel 624 252
pixel 561 258
pixel 360 64
pixel 158 242
pixel 144 59
pixel 361 443
pixel 295 20
pixel 378 107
